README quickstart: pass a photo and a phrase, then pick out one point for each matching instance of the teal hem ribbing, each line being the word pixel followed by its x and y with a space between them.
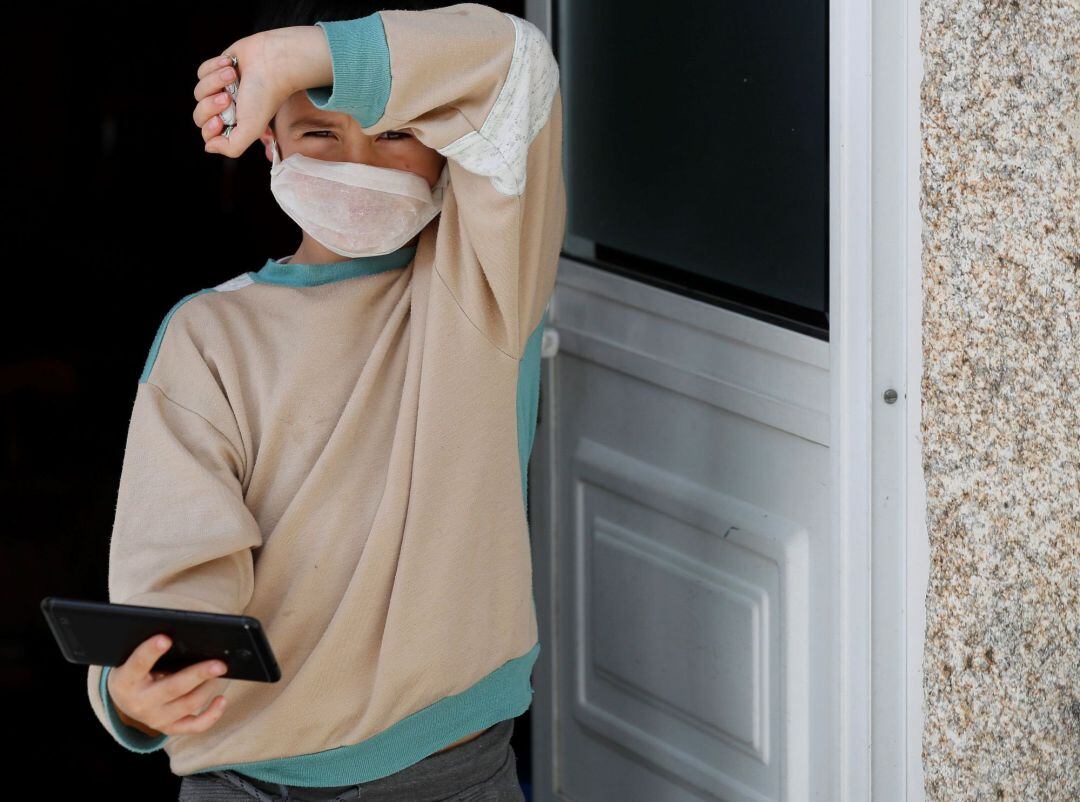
pixel 504 693
pixel 361 64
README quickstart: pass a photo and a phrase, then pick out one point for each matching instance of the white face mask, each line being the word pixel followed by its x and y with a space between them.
pixel 351 208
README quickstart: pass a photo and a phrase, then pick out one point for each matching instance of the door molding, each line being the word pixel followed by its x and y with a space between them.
pixel 900 548
pixel 850 49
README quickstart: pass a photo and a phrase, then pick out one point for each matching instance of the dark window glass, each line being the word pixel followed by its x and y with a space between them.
pixel 696 149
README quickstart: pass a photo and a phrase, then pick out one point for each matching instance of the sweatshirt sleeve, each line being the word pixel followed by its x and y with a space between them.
pixel 481 87
pixel 182 535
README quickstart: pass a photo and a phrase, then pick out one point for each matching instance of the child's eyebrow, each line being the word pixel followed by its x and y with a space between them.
pixel 309 120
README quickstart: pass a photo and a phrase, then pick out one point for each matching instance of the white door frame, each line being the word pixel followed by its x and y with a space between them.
pixel 875 337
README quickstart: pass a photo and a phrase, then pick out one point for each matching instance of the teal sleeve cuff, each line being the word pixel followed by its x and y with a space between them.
pixel 361 63
pixel 129 737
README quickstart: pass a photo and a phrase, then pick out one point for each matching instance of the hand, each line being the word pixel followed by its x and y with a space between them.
pixel 272 66
pixel 160 703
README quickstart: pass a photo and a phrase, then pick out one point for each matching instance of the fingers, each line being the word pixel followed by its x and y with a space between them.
pixel 215 63
pixel 261 85
pixel 215 82
pixel 141 661
pixel 209 108
pixel 225 145
pixel 173 687
pixel 201 722
pixel 186 713
pixel 212 95
pixel 174 701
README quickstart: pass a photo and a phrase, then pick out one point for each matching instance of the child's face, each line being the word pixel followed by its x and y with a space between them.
pixel 299 127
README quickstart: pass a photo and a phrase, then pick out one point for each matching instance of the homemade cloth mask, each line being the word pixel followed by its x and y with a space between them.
pixel 351 208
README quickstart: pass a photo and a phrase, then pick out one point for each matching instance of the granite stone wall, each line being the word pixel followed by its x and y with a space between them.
pixel 1001 398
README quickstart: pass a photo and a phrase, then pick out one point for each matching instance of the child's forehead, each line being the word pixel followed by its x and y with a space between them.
pixel 331 120
pixel 299 110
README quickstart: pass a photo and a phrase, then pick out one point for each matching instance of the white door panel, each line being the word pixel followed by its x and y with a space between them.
pixel 685 444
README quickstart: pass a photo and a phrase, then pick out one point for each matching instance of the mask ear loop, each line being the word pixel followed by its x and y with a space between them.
pixel 276 154
pixel 228 116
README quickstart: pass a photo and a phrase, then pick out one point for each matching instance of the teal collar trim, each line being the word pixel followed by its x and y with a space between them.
pixel 297 274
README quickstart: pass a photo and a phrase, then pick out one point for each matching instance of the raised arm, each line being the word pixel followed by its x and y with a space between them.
pixel 476 84
pixel 481 87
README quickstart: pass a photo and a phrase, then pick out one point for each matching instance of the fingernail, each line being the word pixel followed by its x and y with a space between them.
pixel 224 60
pixel 218 668
pixel 162 643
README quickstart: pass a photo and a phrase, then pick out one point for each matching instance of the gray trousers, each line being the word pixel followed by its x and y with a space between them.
pixel 481 770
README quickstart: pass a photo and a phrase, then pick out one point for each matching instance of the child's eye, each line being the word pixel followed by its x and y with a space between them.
pixel 397 134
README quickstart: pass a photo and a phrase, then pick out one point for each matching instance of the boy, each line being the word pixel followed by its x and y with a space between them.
pixel 339 446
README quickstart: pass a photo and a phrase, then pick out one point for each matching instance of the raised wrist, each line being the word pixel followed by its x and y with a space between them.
pixel 305 56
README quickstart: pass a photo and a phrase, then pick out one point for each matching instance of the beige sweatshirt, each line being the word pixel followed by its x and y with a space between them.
pixel 341 450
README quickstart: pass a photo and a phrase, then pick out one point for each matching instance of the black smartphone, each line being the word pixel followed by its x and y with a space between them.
pixel 105 634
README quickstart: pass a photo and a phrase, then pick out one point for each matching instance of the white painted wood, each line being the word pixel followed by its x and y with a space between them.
pixel 900 551
pixel 681 551
pixel 789 719
pixel 850 48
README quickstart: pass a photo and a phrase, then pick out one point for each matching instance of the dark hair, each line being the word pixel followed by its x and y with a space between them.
pixel 271 15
